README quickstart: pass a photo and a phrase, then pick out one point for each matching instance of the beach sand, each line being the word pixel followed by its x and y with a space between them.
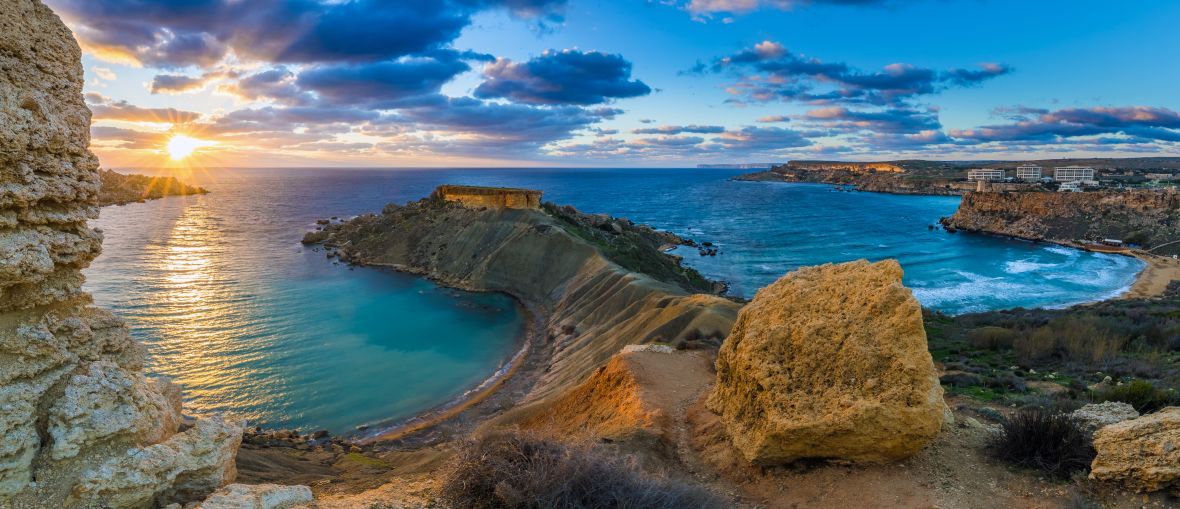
pixel 1154 279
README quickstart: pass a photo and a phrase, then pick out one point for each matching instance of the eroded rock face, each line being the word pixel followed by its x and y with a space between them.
pixel 74 403
pixel 1141 454
pixel 829 362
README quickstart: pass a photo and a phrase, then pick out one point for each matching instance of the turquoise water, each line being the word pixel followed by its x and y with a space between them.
pixel 251 322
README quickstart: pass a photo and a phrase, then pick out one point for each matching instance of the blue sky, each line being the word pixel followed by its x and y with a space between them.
pixel 625 83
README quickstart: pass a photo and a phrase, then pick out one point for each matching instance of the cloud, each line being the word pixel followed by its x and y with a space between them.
pixel 899 120
pixel 704 8
pixel 770 119
pixel 768 72
pixel 380 84
pixel 762 139
pixel 104 109
pixel 104 73
pixel 678 129
pixel 175 84
pixel 127 138
pixel 561 77
pixel 201 32
pixel 1131 123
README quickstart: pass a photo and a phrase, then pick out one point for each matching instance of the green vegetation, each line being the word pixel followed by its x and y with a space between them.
pixel 520 470
pixel 1009 355
pixel 635 248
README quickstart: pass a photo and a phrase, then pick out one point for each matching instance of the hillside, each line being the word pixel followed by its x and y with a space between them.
pixel 119 188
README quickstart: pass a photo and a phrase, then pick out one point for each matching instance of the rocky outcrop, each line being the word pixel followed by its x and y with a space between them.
pixel 82 425
pixel 491 197
pixel 1140 454
pixel 119 188
pixel 260 496
pixel 595 289
pixel 829 362
pixel 1149 218
pixel 1096 415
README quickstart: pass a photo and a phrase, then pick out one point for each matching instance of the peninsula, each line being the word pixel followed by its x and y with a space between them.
pixel 121 188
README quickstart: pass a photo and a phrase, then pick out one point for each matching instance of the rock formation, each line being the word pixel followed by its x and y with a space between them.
pixel 119 188
pixel 260 496
pixel 1141 454
pixel 1096 415
pixel 829 362
pixel 82 425
pixel 1145 217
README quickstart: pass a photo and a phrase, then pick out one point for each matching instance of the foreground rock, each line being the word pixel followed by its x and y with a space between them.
pixel 1097 415
pixel 1140 454
pixel 260 496
pixel 829 362
pixel 81 424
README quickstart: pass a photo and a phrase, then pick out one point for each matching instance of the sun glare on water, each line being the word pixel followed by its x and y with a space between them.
pixel 181 146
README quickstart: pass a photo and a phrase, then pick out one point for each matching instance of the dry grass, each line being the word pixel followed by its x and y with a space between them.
pixel 1051 442
pixel 525 470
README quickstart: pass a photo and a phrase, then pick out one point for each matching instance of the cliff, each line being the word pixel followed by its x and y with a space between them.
pixel 490 197
pixel 119 188
pixel 864 180
pixel 598 283
pixel 82 425
pixel 1147 218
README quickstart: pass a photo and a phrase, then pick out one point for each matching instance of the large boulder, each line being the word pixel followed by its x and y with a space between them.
pixel 829 362
pixel 82 425
pixel 1096 415
pixel 1141 454
pixel 259 496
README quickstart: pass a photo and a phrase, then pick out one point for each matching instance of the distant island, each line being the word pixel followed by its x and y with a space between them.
pixel 120 189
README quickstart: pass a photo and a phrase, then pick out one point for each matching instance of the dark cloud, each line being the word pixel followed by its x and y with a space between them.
pixel 898 120
pixel 382 84
pixel 678 129
pixel 178 33
pixel 562 77
pixel 127 138
pixel 1042 126
pixel 175 84
pixel 768 72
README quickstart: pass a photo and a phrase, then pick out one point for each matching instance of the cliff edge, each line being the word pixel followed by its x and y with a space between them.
pixel 82 425
pixel 1150 219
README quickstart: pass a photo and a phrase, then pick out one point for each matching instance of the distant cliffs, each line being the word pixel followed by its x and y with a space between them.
pixel 1147 218
pixel 867 178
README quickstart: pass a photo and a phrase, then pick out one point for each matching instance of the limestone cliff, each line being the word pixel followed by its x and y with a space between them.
pixel 596 288
pixel 863 179
pixel 1148 218
pixel 829 362
pixel 490 197
pixel 82 425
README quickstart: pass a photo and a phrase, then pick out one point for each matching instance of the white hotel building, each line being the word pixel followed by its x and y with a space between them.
pixel 1073 174
pixel 1028 172
pixel 985 174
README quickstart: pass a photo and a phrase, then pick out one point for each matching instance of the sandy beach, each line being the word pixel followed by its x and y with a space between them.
pixel 1154 279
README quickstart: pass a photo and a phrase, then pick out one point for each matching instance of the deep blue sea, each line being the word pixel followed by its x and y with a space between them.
pixel 251 322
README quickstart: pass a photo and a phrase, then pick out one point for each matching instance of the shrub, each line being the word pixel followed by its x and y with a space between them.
pixel 1041 343
pixel 1053 443
pixel 1140 394
pixel 522 470
pixel 991 338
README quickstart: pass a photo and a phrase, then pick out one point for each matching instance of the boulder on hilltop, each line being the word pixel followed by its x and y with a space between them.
pixel 829 362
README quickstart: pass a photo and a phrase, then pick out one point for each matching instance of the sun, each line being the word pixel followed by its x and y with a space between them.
pixel 181 146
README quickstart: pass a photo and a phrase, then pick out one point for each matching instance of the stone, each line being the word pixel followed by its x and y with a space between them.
pixel 829 362
pixel 1141 454
pixel 260 496
pixel 82 425
pixel 1097 415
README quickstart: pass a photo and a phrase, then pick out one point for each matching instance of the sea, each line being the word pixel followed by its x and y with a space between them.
pixel 252 323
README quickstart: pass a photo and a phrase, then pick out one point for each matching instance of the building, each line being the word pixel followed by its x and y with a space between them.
pixel 1028 172
pixel 1073 174
pixel 1074 186
pixel 489 197
pixel 985 174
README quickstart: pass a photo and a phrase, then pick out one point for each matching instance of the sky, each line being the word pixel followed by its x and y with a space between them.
pixel 421 83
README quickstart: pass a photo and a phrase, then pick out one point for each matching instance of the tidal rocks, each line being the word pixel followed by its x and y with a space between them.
pixel 1141 454
pixel 81 425
pixel 259 496
pixel 1097 415
pixel 829 362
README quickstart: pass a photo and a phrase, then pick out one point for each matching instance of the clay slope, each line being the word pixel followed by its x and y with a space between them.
pixel 81 424
pixel 591 305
